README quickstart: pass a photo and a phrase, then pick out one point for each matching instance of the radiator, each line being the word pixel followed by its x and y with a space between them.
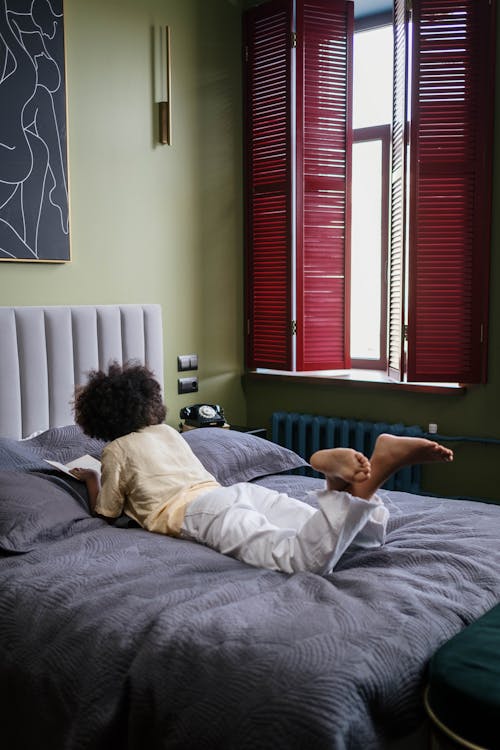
pixel 307 433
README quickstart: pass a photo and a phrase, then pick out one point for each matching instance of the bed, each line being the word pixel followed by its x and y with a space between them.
pixel 113 637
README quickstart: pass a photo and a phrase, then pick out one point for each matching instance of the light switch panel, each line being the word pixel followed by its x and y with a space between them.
pixel 187 362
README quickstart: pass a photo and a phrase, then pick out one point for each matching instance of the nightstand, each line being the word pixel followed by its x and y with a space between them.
pixel 257 431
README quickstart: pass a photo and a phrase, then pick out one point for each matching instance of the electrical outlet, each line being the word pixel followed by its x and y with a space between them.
pixel 187 385
pixel 433 428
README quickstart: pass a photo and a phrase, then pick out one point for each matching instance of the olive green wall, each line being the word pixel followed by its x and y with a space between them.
pixel 152 223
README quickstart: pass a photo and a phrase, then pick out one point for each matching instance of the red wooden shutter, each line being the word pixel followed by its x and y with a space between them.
pixel 450 154
pixel 267 49
pixel 396 277
pixel 324 144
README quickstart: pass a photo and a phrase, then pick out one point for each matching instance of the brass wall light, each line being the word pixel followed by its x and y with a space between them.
pixel 162 84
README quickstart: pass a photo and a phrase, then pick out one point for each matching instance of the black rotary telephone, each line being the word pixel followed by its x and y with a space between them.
pixel 203 415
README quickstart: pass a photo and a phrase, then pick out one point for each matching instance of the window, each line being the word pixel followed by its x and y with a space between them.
pixel 372 114
pixel 299 180
pixel 369 240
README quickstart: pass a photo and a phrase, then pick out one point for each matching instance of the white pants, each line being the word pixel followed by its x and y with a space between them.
pixel 269 529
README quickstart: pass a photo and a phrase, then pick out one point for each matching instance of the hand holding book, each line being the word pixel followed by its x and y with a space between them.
pixel 84 462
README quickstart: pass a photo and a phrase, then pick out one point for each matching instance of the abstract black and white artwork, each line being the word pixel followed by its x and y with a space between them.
pixel 34 209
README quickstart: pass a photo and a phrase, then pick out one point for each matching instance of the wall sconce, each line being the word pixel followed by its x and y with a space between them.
pixel 162 84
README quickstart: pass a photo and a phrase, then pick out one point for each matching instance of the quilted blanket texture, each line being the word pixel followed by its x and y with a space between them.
pixel 119 638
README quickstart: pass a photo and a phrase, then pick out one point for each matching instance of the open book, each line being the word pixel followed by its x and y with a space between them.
pixel 84 462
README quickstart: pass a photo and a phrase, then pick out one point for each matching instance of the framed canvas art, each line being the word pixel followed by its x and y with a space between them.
pixel 34 209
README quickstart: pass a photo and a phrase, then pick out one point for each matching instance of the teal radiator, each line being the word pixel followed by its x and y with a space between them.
pixel 307 433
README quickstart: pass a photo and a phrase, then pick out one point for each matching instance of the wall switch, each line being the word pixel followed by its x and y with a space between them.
pixel 187 362
pixel 187 385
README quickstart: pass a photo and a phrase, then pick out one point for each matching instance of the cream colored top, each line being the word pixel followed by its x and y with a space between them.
pixel 151 475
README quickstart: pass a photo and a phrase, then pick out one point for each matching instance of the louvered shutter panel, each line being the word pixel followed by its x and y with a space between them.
pixel 449 189
pixel 398 195
pixel 324 144
pixel 267 49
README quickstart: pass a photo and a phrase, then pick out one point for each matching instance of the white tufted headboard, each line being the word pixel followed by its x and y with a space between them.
pixel 46 351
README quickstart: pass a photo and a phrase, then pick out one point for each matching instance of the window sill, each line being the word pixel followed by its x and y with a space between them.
pixel 354 379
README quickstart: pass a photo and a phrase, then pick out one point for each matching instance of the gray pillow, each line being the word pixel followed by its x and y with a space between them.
pixel 36 509
pixel 17 456
pixel 233 456
pixel 229 455
pixel 63 444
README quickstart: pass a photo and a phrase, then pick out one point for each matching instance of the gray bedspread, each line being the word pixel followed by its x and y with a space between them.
pixel 119 638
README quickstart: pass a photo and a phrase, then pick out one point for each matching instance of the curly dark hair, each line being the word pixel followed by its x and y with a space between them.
pixel 124 399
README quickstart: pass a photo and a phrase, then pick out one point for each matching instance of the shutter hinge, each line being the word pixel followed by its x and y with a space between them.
pixel 293 327
pixel 248 326
pixel 405 332
pixel 293 39
pixel 246 53
pixel 481 334
pixel 409 5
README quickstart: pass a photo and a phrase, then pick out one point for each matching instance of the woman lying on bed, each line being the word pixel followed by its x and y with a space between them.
pixel 150 473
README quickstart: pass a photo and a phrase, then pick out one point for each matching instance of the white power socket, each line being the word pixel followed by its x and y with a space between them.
pixel 433 428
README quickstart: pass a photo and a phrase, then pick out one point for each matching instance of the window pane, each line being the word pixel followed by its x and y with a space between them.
pixel 372 95
pixel 366 292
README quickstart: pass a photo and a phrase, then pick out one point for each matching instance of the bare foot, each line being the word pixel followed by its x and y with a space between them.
pixel 341 466
pixel 398 451
pixel 391 453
